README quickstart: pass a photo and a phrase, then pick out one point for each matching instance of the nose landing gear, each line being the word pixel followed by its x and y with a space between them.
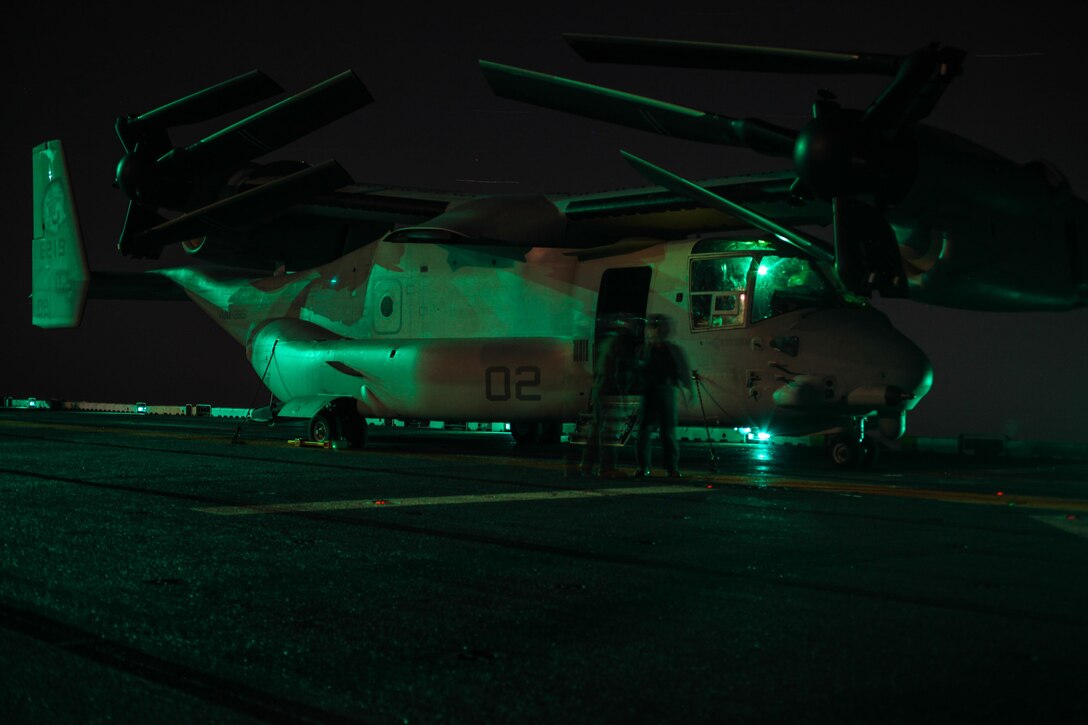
pixel 852 449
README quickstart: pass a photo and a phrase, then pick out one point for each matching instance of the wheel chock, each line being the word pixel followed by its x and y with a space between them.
pixel 299 443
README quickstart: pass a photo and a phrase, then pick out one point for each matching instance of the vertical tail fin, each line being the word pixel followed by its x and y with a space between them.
pixel 60 275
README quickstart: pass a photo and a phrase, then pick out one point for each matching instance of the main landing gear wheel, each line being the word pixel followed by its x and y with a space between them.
pixel 339 421
pixel 532 433
pixel 551 432
pixel 321 428
pixel 353 428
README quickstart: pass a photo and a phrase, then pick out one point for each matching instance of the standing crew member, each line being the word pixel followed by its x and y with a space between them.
pixel 614 368
pixel 664 370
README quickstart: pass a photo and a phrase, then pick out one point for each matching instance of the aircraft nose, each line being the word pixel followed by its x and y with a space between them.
pixel 871 358
pixel 912 373
pixel 904 365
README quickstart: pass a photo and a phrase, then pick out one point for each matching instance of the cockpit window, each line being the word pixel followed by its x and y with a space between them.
pixel 718 291
pixel 785 284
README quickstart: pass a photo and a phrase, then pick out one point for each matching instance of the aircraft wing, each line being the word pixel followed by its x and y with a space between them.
pixel 250 232
pixel 582 220
pixel 664 214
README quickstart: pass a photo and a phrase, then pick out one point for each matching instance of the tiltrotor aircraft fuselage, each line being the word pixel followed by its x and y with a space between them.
pixel 412 329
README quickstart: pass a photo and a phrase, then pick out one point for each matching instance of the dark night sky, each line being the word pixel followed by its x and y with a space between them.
pixel 435 124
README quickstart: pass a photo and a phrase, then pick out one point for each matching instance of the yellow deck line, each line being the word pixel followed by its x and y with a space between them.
pixel 1030 502
pixel 994 498
pixel 349 504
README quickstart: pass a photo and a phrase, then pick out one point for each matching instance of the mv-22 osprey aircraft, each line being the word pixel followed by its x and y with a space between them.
pixel 361 300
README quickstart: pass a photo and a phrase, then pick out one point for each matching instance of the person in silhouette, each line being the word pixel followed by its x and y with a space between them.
pixel 614 368
pixel 664 370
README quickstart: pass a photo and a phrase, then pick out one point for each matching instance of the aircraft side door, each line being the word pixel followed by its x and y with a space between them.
pixel 624 291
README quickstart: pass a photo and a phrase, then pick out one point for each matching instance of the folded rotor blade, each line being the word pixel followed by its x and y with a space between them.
pixel 138 218
pixel 922 78
pixel 272 128
pixel 230 95
pixel 627 109
pixel 690 54
pixel 243 211
pixel 811 246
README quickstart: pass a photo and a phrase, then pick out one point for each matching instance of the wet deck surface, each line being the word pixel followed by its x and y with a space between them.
pixel 151 568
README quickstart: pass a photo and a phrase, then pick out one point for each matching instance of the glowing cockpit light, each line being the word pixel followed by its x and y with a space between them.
pixel 744 431
pixel 333 280
pixel 762 270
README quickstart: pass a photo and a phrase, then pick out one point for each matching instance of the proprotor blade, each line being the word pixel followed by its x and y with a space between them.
pixel 693 54
pixel 241 212
pixel 272 128
pixel 627 109
pixel 138 218
pixel 809 245
pixel 213 101
pixel 922 78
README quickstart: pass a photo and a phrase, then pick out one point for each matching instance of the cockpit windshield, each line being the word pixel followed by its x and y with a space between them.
pixel 723 288
pixel 785 284
pixel 718 291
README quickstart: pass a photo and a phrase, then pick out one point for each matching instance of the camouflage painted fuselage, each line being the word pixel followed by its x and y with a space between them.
pixel 453 332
